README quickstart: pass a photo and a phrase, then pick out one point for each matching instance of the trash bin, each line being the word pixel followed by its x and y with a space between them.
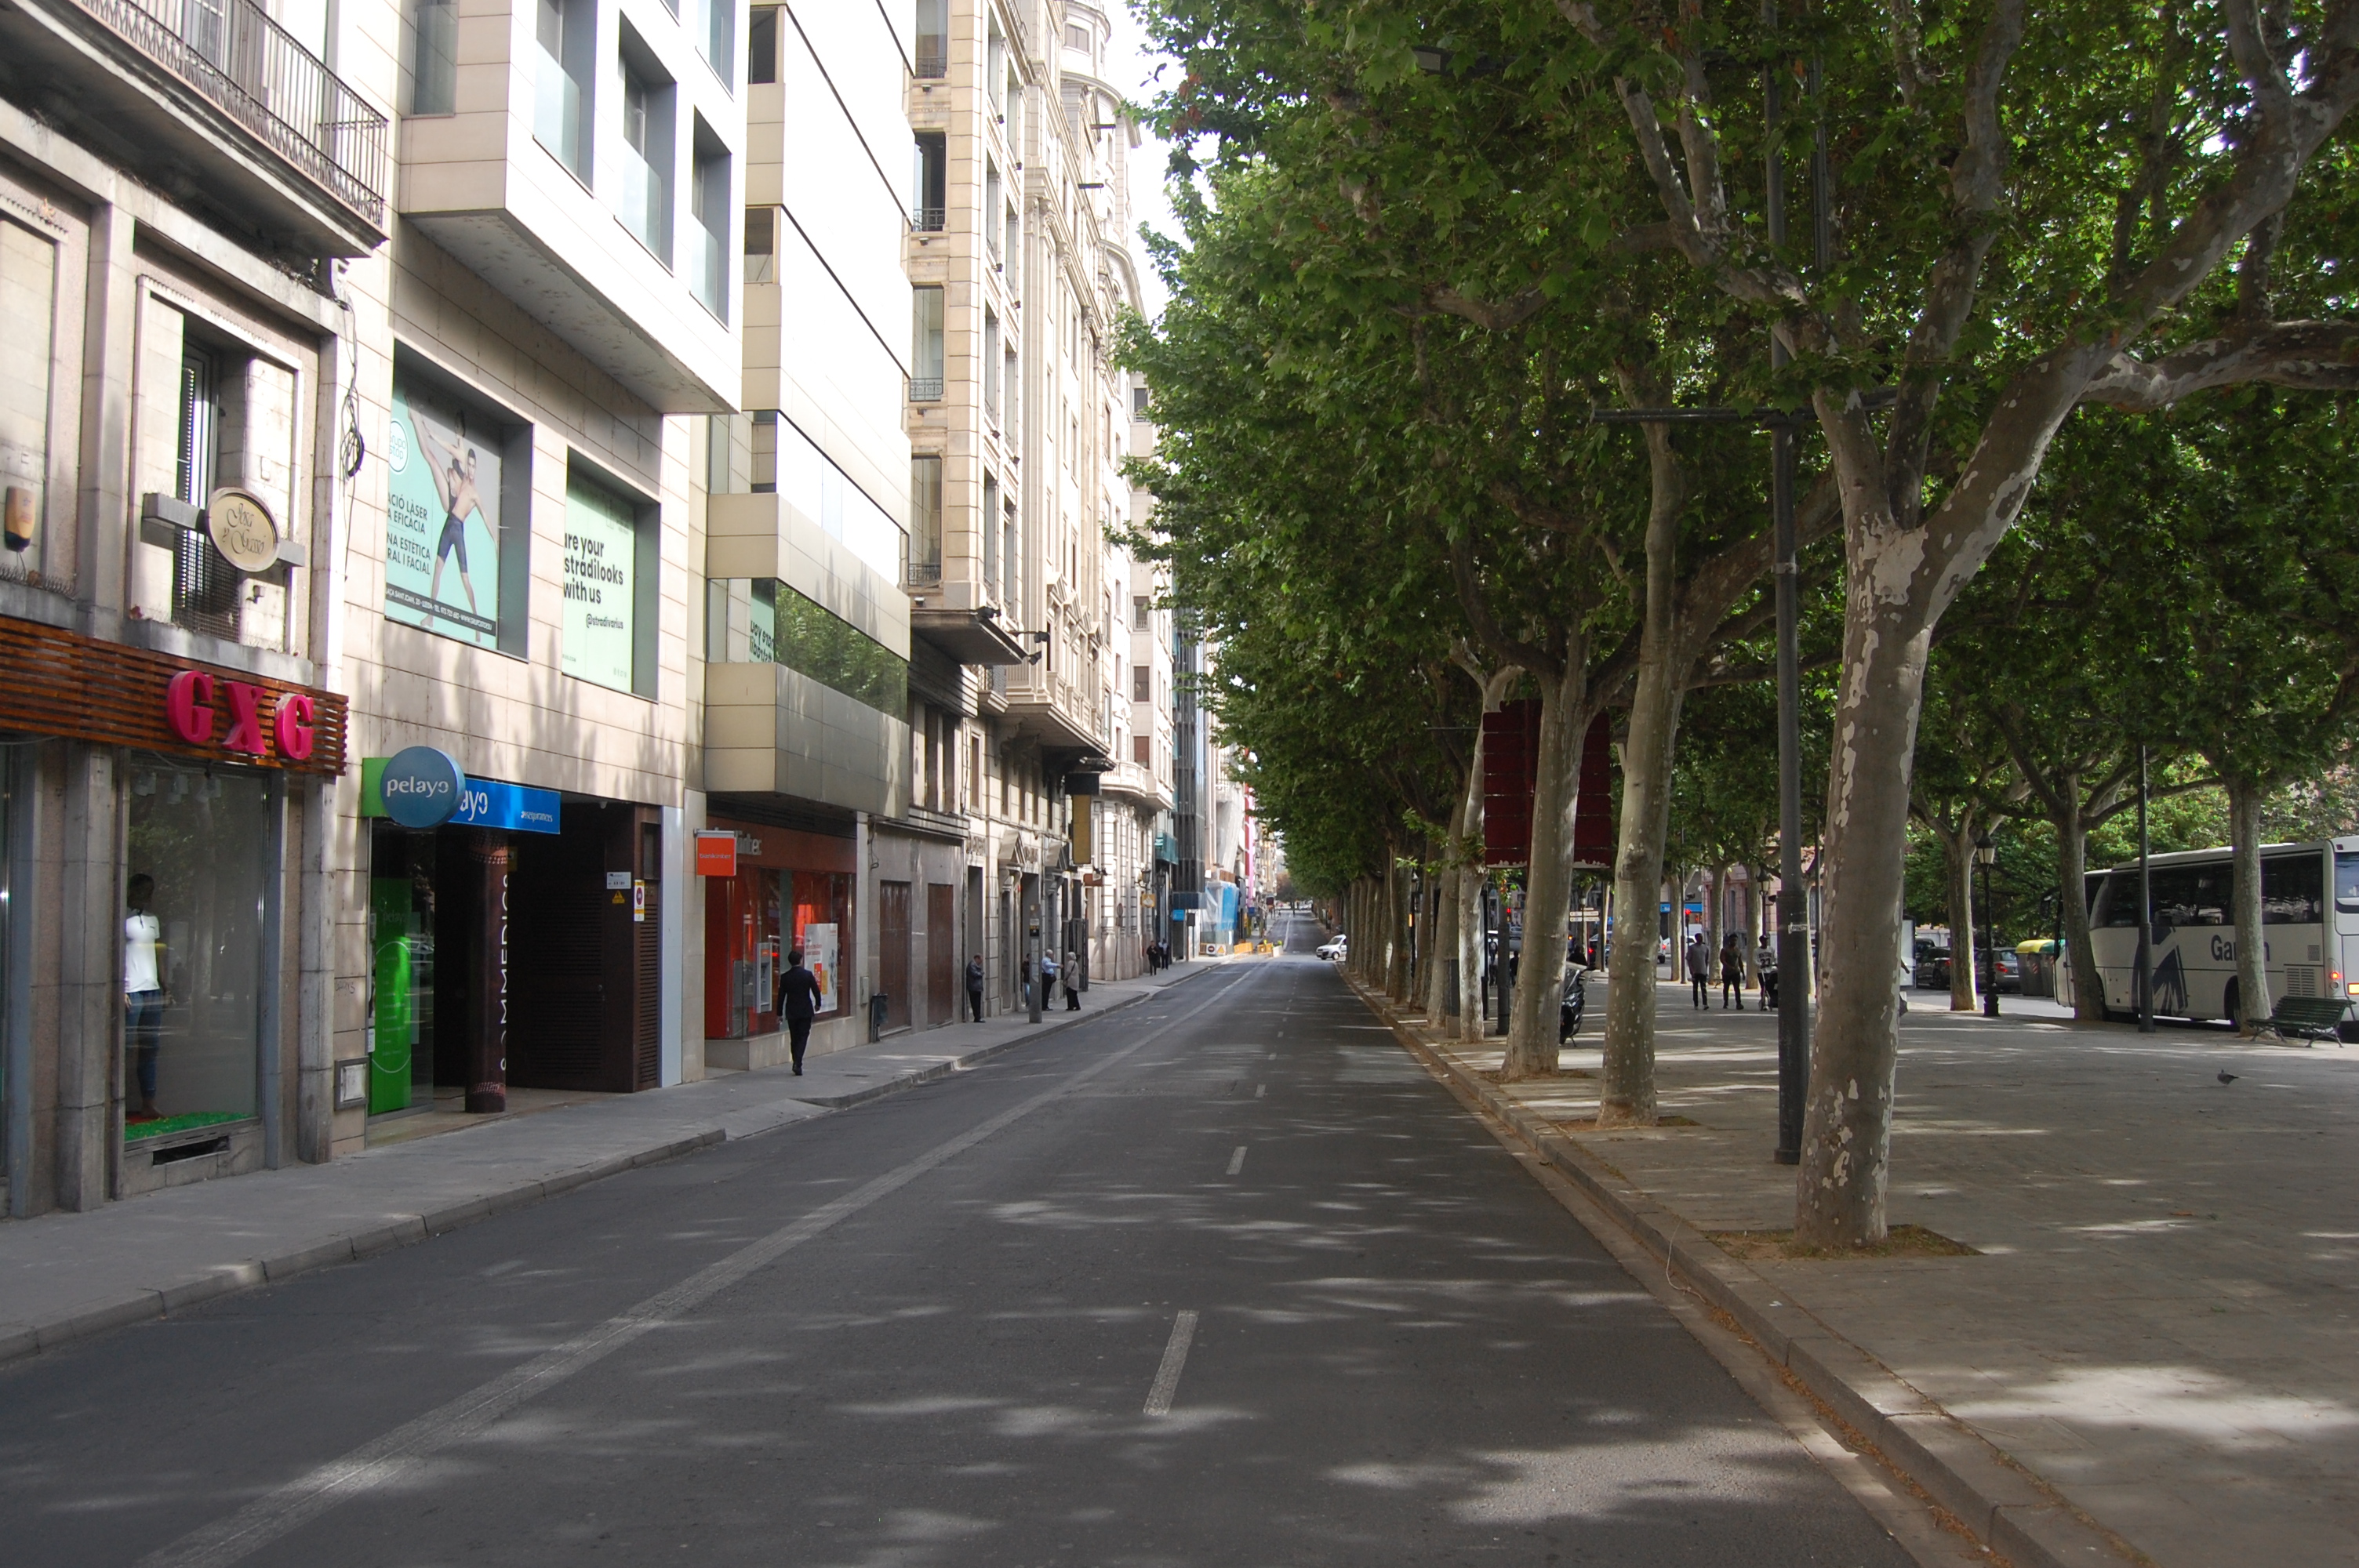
pixel 876 1018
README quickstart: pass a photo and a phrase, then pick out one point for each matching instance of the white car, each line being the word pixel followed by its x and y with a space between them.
pixel 1335 949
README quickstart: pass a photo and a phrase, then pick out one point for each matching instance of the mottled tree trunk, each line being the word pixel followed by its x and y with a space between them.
pixel 2254 1003
pixel 1715 925
pixel 2072 893
pixel 1547 884
pixel 1958 866
pixel 1753 926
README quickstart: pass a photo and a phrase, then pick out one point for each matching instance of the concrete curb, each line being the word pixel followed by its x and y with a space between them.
pixel 149 1302
pixel 2010 1509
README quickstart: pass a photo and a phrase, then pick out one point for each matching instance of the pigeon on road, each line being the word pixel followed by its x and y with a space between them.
pixel 2226 1077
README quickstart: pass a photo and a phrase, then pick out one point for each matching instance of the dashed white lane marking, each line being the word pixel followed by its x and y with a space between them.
pixel 396 1460
pixel 1237 1160
pixel 1261 1091
pixel 1175 1356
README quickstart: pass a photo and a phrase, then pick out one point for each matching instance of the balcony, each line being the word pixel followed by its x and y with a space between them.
pixel 933 58
pixel 925 389
pixel 929 220
pixel 212 103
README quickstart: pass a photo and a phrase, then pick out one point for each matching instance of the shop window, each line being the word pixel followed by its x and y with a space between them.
pixel 753 923
pixel 609 628
pixel 198 861
pixel 458 470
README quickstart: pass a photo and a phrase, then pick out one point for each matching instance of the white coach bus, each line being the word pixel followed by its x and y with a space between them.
pixel 2310 941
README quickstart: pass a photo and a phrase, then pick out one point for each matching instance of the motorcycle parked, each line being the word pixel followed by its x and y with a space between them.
pixel 1575 1003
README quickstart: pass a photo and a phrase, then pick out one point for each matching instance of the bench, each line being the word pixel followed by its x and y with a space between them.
pixel 2309 1017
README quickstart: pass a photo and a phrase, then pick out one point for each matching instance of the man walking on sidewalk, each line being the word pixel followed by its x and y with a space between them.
pixel 975 986
pixel 797 1004
pixel 1699 971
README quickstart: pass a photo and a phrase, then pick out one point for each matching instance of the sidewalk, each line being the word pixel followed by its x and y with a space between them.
pixel 64 1276
pixel 2150 1355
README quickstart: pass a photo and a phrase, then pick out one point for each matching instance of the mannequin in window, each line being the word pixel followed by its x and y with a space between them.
pixel 142 991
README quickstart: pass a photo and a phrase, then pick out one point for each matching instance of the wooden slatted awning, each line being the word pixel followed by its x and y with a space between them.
pixel 54 682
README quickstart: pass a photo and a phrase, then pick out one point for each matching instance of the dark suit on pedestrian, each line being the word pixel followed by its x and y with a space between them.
pixel 797 1004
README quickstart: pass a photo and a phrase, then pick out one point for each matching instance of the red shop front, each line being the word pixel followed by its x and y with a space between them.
pixel 790 889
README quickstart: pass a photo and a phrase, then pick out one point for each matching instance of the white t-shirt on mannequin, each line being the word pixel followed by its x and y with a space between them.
pixel 141 932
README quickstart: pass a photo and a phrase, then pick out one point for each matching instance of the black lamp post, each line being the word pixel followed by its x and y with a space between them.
pixel 1986 855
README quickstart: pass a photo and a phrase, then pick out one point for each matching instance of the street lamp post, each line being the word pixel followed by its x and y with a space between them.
pixel 1986 855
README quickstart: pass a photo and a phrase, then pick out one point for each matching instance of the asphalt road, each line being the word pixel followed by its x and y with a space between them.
pixel 1223 1280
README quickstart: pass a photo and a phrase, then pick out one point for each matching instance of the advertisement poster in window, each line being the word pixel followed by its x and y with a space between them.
pixel 442 520
pixel 820 958
pixel 600 542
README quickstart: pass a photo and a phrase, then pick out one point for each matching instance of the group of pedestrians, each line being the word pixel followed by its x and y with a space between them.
pixel 1731 965
pixel 1159 956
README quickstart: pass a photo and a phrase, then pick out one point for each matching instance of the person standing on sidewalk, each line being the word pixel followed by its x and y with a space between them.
pixel 1072 978
pixel 797 1004
pixel 1699 971
pixel 143 991
pixel 1764 964
pixel 975 986
pixel 1732 971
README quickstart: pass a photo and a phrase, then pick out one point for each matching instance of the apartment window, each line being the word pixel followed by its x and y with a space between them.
pixel 926 346
pixel 1140 614
pixel 568 34
pixel 1077 38
pixel 1138 403
pixel 990 365
pixel 1140 753
pixel 716 37
pixel 1008 377
pixel 1008 552
pixel 995 67
pixel 761 244
pixel 1073 117
pixel 1142 684
pixel 934 37
pixel 766 453
pixel 647 156
pixel 925 521
pixel 930 183
pixel 991 206
pixel 1012 235
pixel 762 43
pixel 205 586
pixel 990 534
pixel 433 57
pixel 709 207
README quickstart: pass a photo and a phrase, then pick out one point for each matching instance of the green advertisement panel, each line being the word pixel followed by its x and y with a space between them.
pixel 601 595
pixel 403 997
pixel 443 519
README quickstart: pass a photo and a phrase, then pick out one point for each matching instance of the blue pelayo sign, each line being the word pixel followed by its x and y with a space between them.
pixel 487 803
pixel 421 786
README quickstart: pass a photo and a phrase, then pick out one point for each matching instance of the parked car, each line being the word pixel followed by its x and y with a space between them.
pixel 1932 966
pixel 1333 950
pixel 2010 971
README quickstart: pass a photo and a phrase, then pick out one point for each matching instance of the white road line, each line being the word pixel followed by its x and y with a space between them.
pixel 1175 1356
pixel 1261 1091
pixel 396 1458
pixel 1237 1160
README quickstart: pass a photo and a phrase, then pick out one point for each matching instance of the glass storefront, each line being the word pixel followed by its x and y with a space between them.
pixel 194 885
pixel 792 890
pixel 401 970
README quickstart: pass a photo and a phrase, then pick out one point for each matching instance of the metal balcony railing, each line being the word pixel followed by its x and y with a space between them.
pixel 933 58
pixel 921 574
pixel 254 72
pixel 929 220
pixel 925 389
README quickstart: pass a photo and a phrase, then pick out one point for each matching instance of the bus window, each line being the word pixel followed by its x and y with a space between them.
pixel 2190 896
pixel 2346 883
pixel 2117 900
pixel 2293 891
